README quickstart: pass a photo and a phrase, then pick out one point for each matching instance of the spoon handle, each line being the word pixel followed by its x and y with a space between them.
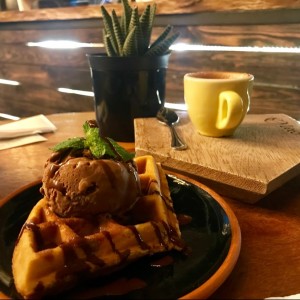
pixel 176 142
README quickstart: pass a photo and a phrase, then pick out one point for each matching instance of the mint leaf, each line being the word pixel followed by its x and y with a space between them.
pixel 93 141
pixel 75 143
pixel 126 156
pixel 86 127
pixel 98 146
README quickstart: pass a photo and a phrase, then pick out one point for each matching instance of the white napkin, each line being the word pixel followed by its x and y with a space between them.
pixel 297 296
pixel 20 141
pixel 24 127
pixel 24 131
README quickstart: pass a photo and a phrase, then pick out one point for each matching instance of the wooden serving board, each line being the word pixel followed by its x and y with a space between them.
pixel 262 155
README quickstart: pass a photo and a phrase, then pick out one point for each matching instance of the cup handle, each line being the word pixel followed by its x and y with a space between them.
pixel 230 111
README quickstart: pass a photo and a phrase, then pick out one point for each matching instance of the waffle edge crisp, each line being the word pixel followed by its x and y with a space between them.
pixel 52 254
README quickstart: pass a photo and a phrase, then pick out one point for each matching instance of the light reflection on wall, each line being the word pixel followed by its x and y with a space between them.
pixel 9 82
pixel 179 106
pixel 76 92
pixel 9 117
pixel 65 44
pixel 189 47
pixel 179 47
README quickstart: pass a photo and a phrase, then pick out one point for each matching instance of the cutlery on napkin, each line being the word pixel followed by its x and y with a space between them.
pixel 25 131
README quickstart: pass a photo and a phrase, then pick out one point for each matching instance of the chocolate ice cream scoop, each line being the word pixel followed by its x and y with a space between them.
pixel 77 186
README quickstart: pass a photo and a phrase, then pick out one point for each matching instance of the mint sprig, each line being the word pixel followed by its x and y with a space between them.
pixel 75 143
pixel 126 156
pixel 99 147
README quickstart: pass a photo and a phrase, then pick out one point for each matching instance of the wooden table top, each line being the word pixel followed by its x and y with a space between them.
pixel 269 261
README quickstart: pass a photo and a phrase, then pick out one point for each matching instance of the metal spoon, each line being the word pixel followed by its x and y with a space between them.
pixel 170 118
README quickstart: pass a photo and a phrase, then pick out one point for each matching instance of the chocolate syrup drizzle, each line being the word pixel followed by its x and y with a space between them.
pixel 122 255
pixel 138 238
pixel 74 264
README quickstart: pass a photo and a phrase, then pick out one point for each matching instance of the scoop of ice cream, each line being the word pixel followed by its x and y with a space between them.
pixel 79 186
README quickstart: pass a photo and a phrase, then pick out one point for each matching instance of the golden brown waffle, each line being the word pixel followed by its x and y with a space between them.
pixel 52 253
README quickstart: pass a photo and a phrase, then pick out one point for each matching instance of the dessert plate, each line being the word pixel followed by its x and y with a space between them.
pixel 209 228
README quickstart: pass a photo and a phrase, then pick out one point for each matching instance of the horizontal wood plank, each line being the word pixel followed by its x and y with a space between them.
pixel 28 100
pixel 273 68
pixel 47 76
pixel 69 66
pixel 276 68
pixel 264 100
pixel 278 87
pixel 23 101
pixel 42 71
pixel 284 35
pixel 163 8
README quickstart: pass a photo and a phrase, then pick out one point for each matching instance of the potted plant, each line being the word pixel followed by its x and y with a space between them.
pixel 129 79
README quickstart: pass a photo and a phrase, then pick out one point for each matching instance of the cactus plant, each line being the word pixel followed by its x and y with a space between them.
pixel 130 35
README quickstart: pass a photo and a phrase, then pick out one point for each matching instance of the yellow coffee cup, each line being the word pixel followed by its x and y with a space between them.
pixel 217 102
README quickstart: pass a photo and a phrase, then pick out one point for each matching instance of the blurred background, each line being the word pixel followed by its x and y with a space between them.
pixel 44 68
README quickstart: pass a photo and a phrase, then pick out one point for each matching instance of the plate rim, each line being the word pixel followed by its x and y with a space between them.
pixel 206 289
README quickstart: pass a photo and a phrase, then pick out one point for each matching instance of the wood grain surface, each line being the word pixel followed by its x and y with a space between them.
pixel 262 155
pixel 42 71
pixel 269 261
pixel 52 69
pixel 164 7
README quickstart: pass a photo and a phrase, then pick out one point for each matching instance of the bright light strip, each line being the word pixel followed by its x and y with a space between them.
pixel 178 106
pixel 76 92
pixel 186 47
pixel 63 44
pixel 10 117
pixel 9 82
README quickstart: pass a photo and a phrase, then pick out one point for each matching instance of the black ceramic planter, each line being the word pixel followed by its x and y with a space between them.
pixel 126 88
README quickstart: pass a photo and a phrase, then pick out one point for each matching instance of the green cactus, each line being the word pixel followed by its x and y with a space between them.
pixel 131 34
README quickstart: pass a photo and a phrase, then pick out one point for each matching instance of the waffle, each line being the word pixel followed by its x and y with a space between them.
pixel 52 253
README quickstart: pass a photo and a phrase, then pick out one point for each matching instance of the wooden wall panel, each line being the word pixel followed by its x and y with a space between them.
pixel 21 36
pixel 42 76
pixel 25 101
pixel 269 68
pixel 285 35
pixel 41 71
pixel 164 7
pixel 264 100
pixel 20 55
